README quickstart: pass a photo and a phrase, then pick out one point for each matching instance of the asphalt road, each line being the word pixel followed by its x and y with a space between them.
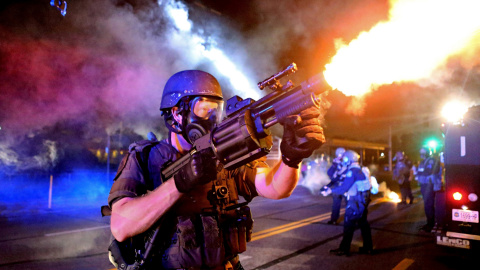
pixel 288 234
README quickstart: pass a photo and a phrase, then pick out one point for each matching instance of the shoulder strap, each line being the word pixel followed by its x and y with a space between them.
pixel 142 151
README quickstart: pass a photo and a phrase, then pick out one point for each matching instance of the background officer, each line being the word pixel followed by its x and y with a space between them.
pixel 336 173
pixel 402 173
pixel 427 175
pixel 201 227
pixel 357 186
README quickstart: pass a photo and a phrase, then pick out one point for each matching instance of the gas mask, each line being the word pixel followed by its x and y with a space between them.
pixel 203 115
pixel 346 162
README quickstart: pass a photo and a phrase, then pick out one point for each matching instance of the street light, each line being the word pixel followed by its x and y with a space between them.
pixel 432 144
pixel 453 111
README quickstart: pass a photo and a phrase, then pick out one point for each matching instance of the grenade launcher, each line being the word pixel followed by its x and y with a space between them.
pixel 243 136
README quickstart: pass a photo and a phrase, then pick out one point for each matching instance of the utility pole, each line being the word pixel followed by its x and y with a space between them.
pixel 390 148
pixel 107 151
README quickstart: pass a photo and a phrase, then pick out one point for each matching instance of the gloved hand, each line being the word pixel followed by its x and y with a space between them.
pixel 306 126
pixel 200 170
pixel 325 191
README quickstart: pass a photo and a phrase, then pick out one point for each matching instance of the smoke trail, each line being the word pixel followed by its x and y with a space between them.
pixel 202 46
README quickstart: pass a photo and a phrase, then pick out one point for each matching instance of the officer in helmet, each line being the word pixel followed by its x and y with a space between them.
pixel 336 173
pixel 427 175
pixel 403 174
pixel 192 235
pixel 357 188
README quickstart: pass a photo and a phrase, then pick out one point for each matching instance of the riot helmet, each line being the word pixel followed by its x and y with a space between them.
pixel 189 83
pixel 350 157
pixel 339 152
pixel 198 97
pixel 399 156
pixel 424 153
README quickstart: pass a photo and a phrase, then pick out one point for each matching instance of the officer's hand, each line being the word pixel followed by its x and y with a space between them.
pixel 325 191
pixel 200 170
pixel 306 127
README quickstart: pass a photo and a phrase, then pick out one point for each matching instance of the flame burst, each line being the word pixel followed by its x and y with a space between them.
pixel 392 196
pixel 418 38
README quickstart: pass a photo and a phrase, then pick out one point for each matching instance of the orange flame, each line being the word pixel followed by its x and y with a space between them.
pixel 418 39
pixel 392 196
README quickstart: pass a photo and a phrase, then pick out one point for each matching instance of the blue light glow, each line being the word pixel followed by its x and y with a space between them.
pixel 30 191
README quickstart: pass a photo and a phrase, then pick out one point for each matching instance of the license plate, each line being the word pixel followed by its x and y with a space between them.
pixel 465 215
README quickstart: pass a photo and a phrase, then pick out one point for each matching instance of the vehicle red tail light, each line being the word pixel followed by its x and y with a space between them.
pixel 457 196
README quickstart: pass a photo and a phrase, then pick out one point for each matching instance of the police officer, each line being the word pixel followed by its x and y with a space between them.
pixel 357 187
pixel 201 227
pixel 336 173
pixel 427 175
pixel 403 175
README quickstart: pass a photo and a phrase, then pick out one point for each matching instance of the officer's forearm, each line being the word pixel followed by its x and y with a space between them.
pixel 331 171
pixel 347 184
pixel 132 216
pixel 278 182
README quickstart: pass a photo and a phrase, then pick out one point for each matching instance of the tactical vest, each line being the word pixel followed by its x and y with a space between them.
pixel 206 227
pixel 362 183
pixel 358 196
pixel 426 170
pixel 225 227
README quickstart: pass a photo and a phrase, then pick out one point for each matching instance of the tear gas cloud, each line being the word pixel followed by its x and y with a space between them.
pixel 314 174
pixel 105 63
pixel 101 68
